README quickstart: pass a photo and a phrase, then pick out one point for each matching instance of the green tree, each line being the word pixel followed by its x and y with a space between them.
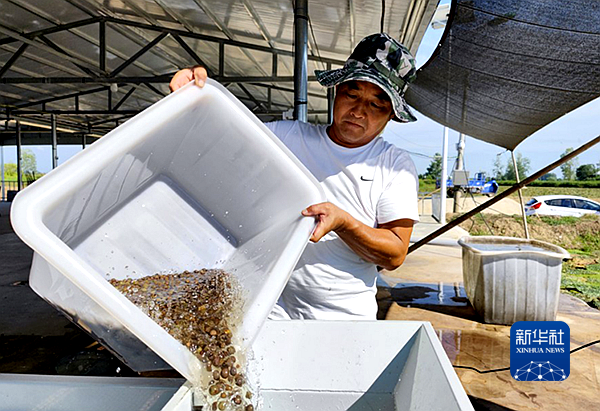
pixel 497 172
pixel 523 164
pixel 549 177
pixel 434 170
pixel 586 172
pixel 10 171
pixel 28 162
pixel 569 168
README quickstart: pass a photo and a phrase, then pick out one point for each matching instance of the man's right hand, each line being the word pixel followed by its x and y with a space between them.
pixel 182 77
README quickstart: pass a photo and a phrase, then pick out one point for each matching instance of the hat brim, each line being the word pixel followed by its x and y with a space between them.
pixel 330 78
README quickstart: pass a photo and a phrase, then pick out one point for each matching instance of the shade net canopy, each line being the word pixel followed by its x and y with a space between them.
pixel 505 69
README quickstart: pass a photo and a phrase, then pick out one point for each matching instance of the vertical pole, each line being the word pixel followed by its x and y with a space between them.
pixel 443 185
pixel 102 52
pixel 3 193
pixel 301 60
pixel 83 137
pixel 221 59
pixel 89 128
pixel 459 166
pixel 19 176
pixel 330 98
pixel 274 65
pixel 520 195
pixel 54 141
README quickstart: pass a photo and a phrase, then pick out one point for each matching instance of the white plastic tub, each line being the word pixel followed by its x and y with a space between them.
pixel 301 366
pixel 511 279
pixel 195 181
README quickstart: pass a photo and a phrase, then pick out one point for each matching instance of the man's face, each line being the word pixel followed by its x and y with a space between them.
pixel 360 112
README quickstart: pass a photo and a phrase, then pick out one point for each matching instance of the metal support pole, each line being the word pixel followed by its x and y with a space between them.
pixel 54 141
pixel 221 59
pixel 3 193
pixel 443 182
pixel 19 176
pixel 330 100
pixel 514 160
pixel 459 166
pixel 102 41
pixel 301 60
pixel 83 137
pixel 502 195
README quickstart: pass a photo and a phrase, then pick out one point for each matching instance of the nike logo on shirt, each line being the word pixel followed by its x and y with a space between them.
pixel 365 179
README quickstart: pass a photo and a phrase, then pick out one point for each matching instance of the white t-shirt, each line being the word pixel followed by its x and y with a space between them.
pixel 375 183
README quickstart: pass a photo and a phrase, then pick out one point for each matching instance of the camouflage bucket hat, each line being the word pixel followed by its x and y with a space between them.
pixel 383 61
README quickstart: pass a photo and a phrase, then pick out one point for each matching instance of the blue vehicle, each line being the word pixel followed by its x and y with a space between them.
pixel 477 185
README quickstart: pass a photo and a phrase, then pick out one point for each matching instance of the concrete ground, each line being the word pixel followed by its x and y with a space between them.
pixel 36 339
pixel 428 287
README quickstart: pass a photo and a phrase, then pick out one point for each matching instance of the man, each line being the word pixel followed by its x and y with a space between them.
pixel 371 185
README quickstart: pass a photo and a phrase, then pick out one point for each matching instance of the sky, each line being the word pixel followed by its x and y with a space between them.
pixel 424 137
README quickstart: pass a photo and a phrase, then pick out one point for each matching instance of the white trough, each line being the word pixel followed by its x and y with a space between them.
pixel 301 365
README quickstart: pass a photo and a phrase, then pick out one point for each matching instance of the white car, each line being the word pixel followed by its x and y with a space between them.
pixel 561 206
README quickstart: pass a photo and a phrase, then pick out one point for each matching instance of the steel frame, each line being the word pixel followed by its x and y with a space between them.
pixel 98 74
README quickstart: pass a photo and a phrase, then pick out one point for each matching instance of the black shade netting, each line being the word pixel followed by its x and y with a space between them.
pixel 505 69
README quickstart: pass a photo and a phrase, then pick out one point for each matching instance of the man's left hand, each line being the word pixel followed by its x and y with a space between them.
pixel 329 218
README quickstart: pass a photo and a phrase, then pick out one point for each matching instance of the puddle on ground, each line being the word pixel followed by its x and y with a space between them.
pixel 410 293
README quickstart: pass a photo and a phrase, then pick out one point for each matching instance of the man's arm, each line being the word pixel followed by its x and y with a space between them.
pixel 385 245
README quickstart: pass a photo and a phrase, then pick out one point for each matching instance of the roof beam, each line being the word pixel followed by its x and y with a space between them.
pixel 191 52
pixel 138 54
pixel 44 47
pixel 174 14
pixel 289 90
pixel 74 112
pixel 254 100
pixel 55 29
pixel 165 78
pixel 13 58
pixel 125 97
pixel 93 40
pixel 155 90
pixel 63 97
pixel 108 120
pixel 61 50
pixel 214 39
pixel 258 21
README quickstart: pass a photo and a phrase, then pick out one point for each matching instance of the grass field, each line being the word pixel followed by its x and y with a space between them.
pixel 426 186
pixel 581 276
